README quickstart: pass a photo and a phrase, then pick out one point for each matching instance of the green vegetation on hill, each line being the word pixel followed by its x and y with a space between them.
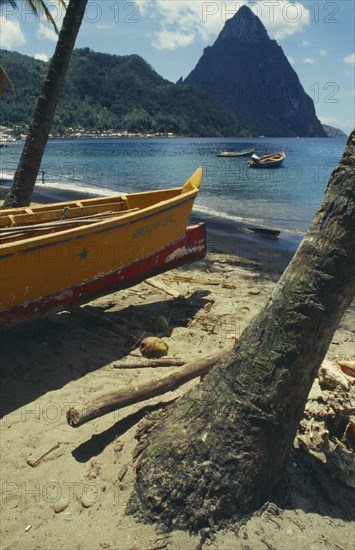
pixel 109 92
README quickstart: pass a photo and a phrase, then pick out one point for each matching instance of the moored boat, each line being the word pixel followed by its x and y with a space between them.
pixel 265 231
pixel 245 153
pixel 62 254
pixel 267 161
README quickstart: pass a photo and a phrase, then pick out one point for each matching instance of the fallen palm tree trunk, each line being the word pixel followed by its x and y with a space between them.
pixel 220 451
pixel 112 401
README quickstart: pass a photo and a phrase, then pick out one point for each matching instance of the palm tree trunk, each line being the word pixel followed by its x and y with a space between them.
pixel 221 449
pixel 42 119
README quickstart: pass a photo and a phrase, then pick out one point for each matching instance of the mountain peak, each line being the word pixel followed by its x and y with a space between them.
pixel 248 72
pixel 244 26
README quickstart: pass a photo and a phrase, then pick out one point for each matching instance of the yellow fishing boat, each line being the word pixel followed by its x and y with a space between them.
pixel 55 255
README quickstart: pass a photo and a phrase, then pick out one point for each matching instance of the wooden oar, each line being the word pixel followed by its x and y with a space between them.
pixel 62 224
pixel 28 217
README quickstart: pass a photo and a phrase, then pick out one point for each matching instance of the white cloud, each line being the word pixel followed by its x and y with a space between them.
pixel 181 23
pixel 323 52
pixel 166 40
pixel 291 59
pixel 309 60
pixel 327 119
pixel 204 20
pixel 305 43
pixel 143 6
pixel 197 18
pixel 103 27
pixel 11 35
pixel 350 59
pixel 46 33
pixel 282 18
pixel 41 56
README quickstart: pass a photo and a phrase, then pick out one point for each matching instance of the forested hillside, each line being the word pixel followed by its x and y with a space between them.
pixel 109 92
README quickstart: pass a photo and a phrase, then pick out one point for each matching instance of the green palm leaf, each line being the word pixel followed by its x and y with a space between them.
pixel 11 2
pixel 39 7
pixel 5 79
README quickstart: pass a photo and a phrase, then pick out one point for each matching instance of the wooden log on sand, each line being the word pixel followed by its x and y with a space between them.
pixel 76 416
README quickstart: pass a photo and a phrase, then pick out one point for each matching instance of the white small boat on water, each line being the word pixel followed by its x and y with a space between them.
pixel 267 161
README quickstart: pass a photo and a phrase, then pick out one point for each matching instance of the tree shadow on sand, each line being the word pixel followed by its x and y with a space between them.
pixel 46 355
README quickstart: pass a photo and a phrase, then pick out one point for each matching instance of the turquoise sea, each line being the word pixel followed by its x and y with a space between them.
pixel 232 195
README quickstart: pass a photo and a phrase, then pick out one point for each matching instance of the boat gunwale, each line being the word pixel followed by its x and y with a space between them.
pixel 43 208
pixel 273 156
pixel 231 154
pixel 66 235
pixel 101 200
pixel 184 194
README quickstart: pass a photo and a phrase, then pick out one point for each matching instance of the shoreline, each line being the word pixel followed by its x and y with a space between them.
pixel 223 236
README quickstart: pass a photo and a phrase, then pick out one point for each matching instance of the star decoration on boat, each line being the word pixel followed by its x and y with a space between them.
pixel 83 255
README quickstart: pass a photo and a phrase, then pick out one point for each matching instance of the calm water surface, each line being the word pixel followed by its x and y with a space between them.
pixel 284 198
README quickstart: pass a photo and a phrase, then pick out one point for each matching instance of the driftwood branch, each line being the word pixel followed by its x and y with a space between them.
pixel 208 282
pixel 76 416
pixel 150 363
pixel 34 462
pixel 156 283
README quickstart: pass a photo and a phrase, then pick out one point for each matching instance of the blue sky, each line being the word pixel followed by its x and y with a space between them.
pixel 316 36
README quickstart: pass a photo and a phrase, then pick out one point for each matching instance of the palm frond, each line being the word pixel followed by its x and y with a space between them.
pixel 39 7
pixel 4 80
pixel 12 3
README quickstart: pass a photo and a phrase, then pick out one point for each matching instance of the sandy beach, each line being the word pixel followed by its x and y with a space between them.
pixel 66 488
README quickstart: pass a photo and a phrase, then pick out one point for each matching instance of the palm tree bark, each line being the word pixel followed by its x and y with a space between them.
pixel 42 119
pixel 219 451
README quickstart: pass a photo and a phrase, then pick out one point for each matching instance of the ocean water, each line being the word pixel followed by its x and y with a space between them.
pixel 284 198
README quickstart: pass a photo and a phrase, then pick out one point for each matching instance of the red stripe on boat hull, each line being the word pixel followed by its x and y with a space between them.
pixel 190 248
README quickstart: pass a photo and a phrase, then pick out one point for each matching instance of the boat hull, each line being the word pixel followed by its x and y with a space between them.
pixel 62 261
pixel 48 250
pixel 268 164
pixel 268 161
pixel 189 248
pixel 233 154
